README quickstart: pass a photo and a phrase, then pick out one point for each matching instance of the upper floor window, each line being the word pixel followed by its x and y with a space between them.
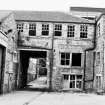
pixel 58 30
pixel 83 31
pixel 45 29
pixel 32 29
pixel 70 31
pixel 65 58
pixel 20 28
pixel 76 59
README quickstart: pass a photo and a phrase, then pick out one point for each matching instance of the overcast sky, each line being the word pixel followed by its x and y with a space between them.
pixel 48 5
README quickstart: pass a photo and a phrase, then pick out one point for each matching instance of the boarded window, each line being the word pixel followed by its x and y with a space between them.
pixel 76 59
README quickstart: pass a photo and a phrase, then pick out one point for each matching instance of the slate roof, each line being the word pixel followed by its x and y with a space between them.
pixel 87 9
pixel 4 14
pixel 46 16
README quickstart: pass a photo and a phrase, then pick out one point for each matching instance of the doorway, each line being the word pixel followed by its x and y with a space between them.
pixel 2 64
pixel 33 69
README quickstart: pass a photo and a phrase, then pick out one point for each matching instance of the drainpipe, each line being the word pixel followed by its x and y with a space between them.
pixel 51 64
pixel 89 49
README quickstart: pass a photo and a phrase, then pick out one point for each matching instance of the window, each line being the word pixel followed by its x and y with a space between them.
pixel 32 29
pixel 98 58
pixel 98 82
pixel 58 30
pixel 83 31
pixel 45 29
pixel 76 59
pixel 70 32
pixel 65 58
pixel 98 29
pixel 66 77
pixel 72 81
pixel 20 28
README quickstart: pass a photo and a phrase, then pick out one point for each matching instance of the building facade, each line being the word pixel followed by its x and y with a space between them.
pixel 72 49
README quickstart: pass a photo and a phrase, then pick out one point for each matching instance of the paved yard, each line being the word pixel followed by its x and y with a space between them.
pixel 45 98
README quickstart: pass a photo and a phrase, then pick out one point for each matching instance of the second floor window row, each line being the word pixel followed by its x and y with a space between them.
pixel 57 30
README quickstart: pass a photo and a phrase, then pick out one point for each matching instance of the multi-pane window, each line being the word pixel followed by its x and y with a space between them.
pixel 20 28
pixel 45 29
pixel 83 31
pixel 65 58
pixel 73 81
pixel 76 59
pixel 57 29
pixel 70 31
pixel 32 29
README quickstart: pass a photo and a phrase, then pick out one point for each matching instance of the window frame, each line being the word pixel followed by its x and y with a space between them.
pixel 73 83
pixel 64 59
pixel 20 27
pixel 70 31
pixel 83 31
pixel 57 28
pixel 45 28
pixel 32 28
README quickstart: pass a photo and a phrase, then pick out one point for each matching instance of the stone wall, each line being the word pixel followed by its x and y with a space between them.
pixel 9 26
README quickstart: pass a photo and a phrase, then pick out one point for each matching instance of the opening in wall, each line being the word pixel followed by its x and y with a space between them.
pixel 76 59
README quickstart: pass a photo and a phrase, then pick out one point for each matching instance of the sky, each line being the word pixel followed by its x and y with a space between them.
pixel 49 5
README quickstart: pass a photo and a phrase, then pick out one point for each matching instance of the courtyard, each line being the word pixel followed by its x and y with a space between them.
pixel 26 97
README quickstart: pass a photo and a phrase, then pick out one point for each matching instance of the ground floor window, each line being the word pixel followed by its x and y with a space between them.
pixel 72 81
pixel 98 82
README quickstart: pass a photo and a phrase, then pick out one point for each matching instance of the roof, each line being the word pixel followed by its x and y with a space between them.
pixel 4 14
pixel 48 16
pixel 87 9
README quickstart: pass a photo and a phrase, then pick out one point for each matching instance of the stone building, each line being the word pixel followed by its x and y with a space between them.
pixel 8 47
pixel 69 50
pixel 63 40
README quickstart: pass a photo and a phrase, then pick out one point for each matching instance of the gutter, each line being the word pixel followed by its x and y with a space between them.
pixel 89 49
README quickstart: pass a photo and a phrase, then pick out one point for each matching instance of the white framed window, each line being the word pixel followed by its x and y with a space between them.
pixel 65 59
pixel 45 29
pixel 57 29
pixel 70 30
pixel 76 59
pixel 72 81
pixel 32 29
pixel 20 28
pixel 83 31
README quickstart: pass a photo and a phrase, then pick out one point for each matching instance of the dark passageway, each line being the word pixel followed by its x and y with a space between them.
pixel 25 57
